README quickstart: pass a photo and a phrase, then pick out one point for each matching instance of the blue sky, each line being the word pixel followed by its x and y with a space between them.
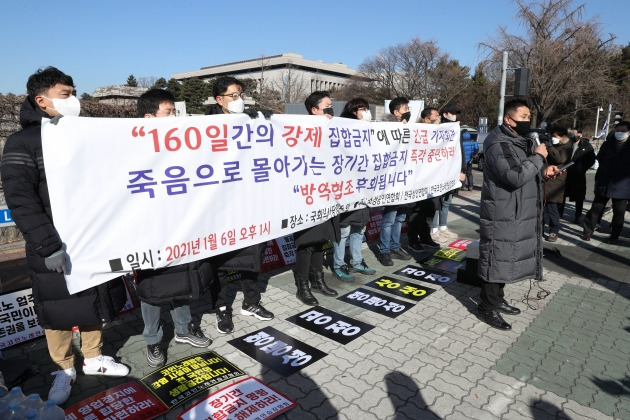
pixel 101 43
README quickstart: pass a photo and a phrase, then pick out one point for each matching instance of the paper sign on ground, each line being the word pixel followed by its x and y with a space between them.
pixel 186 378
pixel 126 401
pixel 247 399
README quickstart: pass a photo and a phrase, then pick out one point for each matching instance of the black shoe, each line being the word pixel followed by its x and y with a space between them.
pixel 494 319
pixel 258 311
pixel 613 241
pixel 224 320
pixel 194 337
pixel 416 246
pixel 430 243
pixel 385 259
pixel 318 284
pixel 155 355
pixel 400 254
pixel 304 292
pixel 508 309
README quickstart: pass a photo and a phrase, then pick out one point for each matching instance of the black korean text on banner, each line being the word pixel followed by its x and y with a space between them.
pixel 425 274
pixel 284 174
pixel 400 288
pixel 279 352
pixel 375 302
pixel 337 327
pixel 189 377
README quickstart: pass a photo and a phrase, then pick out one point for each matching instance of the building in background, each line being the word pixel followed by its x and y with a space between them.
pixel 118 94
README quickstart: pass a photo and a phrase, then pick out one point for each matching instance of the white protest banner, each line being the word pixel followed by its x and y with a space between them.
pixel 155 192
pixel 18 322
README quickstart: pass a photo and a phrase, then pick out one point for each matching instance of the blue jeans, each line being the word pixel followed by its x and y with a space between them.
pixel 391 226
pixel 440 216
pixel 551 217
pixel 152 332
pixel 355 234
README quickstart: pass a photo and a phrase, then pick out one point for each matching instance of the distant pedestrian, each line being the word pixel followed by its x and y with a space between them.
pixel 583 158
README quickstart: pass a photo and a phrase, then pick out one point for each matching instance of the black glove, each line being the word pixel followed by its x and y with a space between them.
pixel 54 120
pixel 267 113
pixel 57 262
pixel 252 113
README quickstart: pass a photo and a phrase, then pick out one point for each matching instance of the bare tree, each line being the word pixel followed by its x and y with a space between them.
pixel 568 58
pixel 292 84
pixel 146 82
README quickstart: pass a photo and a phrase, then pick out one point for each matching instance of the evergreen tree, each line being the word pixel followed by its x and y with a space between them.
pixel 175 88
pixel 160 84
pixel 195 92
pixel 131 81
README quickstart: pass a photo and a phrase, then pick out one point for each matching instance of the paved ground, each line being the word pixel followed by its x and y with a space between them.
pixel 567 356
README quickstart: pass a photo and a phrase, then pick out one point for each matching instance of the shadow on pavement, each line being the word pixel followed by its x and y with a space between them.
pixel 406 398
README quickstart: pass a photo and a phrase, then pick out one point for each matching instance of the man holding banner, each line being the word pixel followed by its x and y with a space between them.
pixel 51 95
pixel 176 285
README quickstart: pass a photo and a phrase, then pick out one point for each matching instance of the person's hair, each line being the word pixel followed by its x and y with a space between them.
pixel 42 80
pixel 222 84
pixel 559 129
pixel 149 102
pixel 578 130
pixel 426 112
pixel 510 107
pixel 314 99
pixel 396 103
pixel 352 107
pixel 624 123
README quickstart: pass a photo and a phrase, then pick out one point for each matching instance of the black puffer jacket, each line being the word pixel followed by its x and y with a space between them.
pixel 245 259
pixel 612 178
pixel 170 284
pixel 26 193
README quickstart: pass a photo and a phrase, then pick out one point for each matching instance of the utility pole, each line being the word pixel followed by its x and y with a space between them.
pixel 502 94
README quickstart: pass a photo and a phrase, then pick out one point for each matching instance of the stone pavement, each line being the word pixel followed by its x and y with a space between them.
pixel 567 356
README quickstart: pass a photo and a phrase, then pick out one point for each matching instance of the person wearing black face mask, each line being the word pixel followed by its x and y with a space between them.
pixel 309 263
pixel 510 247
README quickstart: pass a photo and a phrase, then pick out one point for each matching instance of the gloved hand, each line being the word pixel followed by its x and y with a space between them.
pixel 57 262
pixel 251 113
pixel 54 120
pixel 267 113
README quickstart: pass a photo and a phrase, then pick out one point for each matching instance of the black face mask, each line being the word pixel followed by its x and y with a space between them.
pixel 522 127
pixel 405 116
pixel 329 111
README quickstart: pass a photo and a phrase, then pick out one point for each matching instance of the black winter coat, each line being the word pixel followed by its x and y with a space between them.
pixel 583 159
pixel 612 178
pixel 170 284
pixel 245 259
pixel 26 193
pixel 559 155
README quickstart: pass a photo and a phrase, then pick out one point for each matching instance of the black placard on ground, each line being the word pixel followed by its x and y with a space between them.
pixel 401 288
pixel 279 352
pixel 442 264
pixel 425 274
pixel 337 327
pixel 181 380
pixel 375 302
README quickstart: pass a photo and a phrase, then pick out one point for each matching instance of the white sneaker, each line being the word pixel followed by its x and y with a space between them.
pixel 437 237
pixel 61 387
pixel 104 365
pixel 445 233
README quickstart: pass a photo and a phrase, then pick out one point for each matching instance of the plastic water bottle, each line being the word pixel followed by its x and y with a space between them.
pixel 32 415
pixel 32 402
pixel 16 412
pixel 51 411
pixel 15 396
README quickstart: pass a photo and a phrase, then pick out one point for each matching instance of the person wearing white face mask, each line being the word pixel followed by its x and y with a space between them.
pixel 51 94
pixel 559 154
pixel 352 224
pixel 612 181
pixel 245 263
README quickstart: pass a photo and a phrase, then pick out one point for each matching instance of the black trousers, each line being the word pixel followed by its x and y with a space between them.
pixel 249 285
pixel 595 214
pixel 491 296
pixel 309 257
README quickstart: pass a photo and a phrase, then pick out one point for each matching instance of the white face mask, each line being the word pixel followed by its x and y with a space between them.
pixel 555 140
pixel 621 135
pixel 69 107
pixel 451 117
pixel 367 115
pixel 236 107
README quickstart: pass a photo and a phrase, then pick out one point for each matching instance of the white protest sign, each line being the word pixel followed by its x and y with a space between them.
pixel 156 192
